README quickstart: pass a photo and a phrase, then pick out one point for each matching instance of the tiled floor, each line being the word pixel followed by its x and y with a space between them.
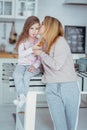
pixel 6 118
pixel 43 119
pixel 82 124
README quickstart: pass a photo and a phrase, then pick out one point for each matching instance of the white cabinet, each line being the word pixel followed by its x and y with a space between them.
pixel 7 8
pixel 1 92
pixel 7 93
pixel 82 79
pixel 7 90
pixel 18 9
pixel 25 8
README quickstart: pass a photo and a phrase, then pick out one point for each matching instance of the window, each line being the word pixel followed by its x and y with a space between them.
pixel 75 36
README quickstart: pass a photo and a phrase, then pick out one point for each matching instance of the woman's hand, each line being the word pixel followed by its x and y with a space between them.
pixel 37 52
pixel 36 47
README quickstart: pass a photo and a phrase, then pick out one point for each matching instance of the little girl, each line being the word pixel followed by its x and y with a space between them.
pixel 28 63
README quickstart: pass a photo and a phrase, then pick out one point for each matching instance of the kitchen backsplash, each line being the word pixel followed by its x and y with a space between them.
pixel 5 31
pixel 6 28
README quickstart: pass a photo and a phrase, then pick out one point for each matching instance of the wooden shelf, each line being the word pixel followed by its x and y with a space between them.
pixel 8 55
pixel 75 2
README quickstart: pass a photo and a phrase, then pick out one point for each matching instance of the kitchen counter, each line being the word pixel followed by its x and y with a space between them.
pixel 8 55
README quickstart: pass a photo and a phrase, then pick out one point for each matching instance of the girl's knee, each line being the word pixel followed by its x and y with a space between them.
pixel 17 75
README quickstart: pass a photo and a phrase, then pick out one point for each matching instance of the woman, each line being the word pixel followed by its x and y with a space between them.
pixel 62 91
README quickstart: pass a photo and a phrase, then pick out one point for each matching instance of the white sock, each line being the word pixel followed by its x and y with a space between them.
pixel 22 100
pixel 22 97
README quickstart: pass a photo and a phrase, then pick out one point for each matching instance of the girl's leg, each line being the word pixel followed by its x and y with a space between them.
pixel 18 79
pixel 71 98
pixel 27 76
pixel 56 106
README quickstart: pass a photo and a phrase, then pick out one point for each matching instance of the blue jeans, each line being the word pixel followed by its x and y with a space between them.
pixel 22 78
pixel 63 102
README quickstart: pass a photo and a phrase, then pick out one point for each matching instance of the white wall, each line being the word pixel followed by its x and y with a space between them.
pixel 67 14
pixel 5 29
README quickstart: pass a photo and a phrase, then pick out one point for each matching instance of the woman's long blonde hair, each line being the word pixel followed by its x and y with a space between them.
pixel 25 32
pixel 53 30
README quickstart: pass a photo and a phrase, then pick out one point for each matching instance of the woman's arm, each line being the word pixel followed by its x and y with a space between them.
pixel 60 54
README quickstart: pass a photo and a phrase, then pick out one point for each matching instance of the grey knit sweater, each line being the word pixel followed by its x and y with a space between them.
pixel 58 65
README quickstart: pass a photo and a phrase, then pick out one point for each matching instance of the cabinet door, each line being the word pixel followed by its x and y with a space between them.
pixel 80 80
pixel 7 8
pixel 25 8
pixel 9 93
pixel 1 88
pixel 85 83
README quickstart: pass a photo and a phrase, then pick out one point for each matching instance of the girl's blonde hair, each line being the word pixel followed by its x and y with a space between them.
pixel 53 30
pixel 25 32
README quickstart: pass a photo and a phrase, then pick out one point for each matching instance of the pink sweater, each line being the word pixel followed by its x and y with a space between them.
pixel 26 56
pixel 58 65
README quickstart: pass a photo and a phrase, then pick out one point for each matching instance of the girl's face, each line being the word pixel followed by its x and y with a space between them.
pixel 34 29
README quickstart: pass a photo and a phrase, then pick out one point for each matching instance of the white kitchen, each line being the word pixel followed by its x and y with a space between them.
pixel 13 13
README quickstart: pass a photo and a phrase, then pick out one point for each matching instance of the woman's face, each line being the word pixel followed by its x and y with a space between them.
pixel 34 29
pixel 42 29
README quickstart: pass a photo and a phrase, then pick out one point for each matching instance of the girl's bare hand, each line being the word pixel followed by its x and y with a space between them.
pixel 31 69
